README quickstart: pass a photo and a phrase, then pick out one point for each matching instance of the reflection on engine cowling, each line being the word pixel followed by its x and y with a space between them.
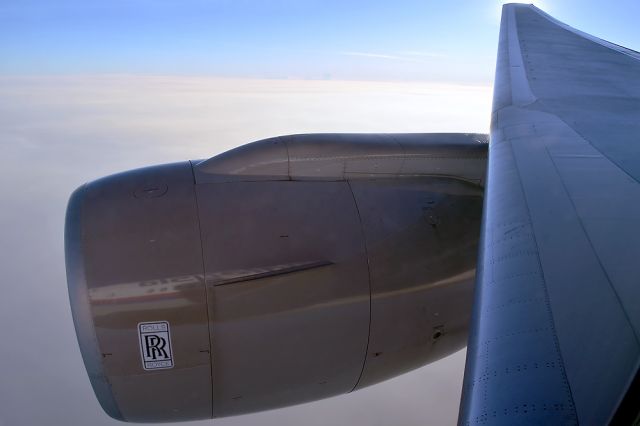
pixel 284 271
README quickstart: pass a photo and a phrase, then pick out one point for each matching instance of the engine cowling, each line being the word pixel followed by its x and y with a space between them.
pixel 283 271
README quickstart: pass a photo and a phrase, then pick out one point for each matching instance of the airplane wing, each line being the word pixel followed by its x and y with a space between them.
pixel 556 323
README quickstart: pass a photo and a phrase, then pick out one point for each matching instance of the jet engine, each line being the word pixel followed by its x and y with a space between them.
pixel 284 271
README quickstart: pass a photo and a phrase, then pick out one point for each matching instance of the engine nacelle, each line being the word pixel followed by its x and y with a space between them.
pixel 284 271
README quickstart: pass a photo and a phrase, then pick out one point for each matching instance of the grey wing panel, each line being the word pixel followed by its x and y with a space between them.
pixel 556 316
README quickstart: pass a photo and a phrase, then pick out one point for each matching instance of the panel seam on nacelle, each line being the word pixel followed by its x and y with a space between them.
pixel 366 253
pixel 204 281
pixel 286 148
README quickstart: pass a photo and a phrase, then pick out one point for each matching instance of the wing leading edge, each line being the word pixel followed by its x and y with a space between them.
pixel 555 338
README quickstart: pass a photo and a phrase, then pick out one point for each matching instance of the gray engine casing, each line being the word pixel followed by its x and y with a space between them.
pixel 284 271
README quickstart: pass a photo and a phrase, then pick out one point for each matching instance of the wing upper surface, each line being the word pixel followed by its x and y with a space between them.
pixel 556 317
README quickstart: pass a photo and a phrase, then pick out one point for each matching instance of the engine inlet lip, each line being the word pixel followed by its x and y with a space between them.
pixel 80 307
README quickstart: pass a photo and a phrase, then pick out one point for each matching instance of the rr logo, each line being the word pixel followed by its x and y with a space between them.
pixel 155 345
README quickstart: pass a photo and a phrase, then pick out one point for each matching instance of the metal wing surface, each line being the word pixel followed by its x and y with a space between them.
pixel 556 313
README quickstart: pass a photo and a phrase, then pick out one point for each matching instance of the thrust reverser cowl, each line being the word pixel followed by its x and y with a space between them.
pixel 288 270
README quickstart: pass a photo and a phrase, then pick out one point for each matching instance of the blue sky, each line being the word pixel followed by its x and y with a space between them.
pixel 451 41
